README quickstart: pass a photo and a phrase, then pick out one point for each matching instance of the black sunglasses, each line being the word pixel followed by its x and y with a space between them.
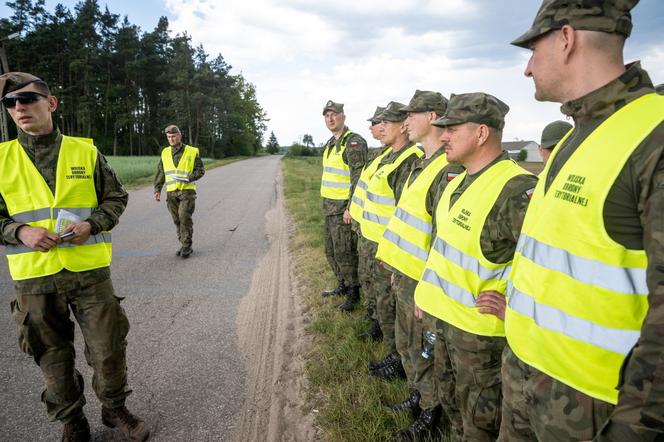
pixel 23 98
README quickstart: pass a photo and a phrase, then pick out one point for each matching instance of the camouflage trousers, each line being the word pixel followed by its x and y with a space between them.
pixel 537 407
pixel 341 249
pixel 46 332
pixel 408 339
pixel 475 362
pixel 181 206
pixel 375 281
pixel 443 375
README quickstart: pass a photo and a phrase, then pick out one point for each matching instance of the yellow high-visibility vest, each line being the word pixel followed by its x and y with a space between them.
pixel 335 183
pixel 184 167
pixel 360 193
pixel 30 201
pixel 577 298
pixel 457 270
pixel 380 202
pixel 407 239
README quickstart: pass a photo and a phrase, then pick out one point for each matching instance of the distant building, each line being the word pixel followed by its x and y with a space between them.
pixel 514 147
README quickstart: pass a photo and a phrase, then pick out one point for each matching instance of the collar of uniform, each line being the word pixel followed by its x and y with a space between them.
pixel 32 142
pixel 177 148
pixel 605 101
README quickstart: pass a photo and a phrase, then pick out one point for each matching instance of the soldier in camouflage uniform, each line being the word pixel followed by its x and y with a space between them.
pixel 551 135
pixel 340 240
pixel 181 200
pixel 424 107
pixel 48 286
pixel 577 61
pixel 456 283
pixel 375 278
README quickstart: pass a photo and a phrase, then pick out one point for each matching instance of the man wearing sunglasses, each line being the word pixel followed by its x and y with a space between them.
pixel 57 269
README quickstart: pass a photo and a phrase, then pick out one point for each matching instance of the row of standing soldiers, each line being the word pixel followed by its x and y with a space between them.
pixel 517 308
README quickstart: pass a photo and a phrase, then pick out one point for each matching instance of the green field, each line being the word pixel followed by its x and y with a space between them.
pixel 347 399
pixel 136 171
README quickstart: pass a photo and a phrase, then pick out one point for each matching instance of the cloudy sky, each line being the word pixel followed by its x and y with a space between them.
pixel 364 53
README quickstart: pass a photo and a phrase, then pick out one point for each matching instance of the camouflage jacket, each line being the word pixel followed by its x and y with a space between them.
pixel 503 224
pixel 196 174
pixel 112 198
pixel 355 156
pixel 397 178
pixel 633 216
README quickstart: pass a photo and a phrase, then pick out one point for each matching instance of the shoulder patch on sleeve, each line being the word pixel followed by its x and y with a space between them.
pixel 529 193
pixel 451 176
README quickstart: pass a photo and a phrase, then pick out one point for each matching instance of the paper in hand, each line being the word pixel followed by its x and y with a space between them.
pixel 65 218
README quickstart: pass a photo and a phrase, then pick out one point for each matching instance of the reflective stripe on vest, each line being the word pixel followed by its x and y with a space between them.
pixel 357 200
pixel 407 239
pixel 74 192
pixel 184 167
pixel 577 298
pixel 335 182
pixel 456 270
pixel 379 204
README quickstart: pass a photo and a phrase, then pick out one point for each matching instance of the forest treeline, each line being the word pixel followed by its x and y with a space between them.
pixel 121 85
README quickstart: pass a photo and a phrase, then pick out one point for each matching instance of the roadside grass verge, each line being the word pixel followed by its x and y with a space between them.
pixel 347 400
pixel 137 171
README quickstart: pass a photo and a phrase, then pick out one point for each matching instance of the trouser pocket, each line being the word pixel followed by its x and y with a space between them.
pixel 485 399
pixel 26 341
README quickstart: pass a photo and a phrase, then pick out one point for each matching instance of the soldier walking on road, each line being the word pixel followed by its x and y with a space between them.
pixel 179 167
pixel 585 316
pixel 46 177
pixel 343 159
pixel 477 223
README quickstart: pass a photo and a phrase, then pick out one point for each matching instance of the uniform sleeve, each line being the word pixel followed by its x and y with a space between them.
pixel 198 171
pixel 356 157
pixel 111 196
pixel 7 226
pixel 638 414
pixel 159 178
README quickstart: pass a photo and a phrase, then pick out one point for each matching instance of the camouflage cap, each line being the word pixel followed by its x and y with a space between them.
pixel 393 112
pixel 12 81
pixel 427 101
pixel 375 118
pixel 172 129
pixel 475 107
pixel 610 16
pixel 553 133
pixel 660 88
pixel 334 107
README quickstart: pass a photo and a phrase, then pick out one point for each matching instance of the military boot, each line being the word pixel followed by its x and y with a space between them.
pixel 392 371
pixel 132 427
pixel 387 360
pixel 77 430
pixel 412 404
pixel 179 252
pixel 424 427
pixel 352 299
pixel 373 332
pixel 186 251
pixel 337 291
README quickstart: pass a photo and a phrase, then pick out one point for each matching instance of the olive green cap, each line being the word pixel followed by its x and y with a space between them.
pixel 660 88
pixel 427 101
pixel 393 112
pixel 610 16
pixel 553 133
pixel 12 81
pixel 475 107
pixel 172 129
pixel 334 107
pixel 375 119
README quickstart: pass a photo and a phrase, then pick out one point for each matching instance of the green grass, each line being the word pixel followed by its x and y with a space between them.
pixel 137 171
pixel 347 399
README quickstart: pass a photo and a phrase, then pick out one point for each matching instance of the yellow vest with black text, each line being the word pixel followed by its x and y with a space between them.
pixel 184 167
pixel 30 201
pixel 335 183
pixel 577 298
pixel 380 202
pixel 457 271
pixel 407 239
pixel 360 193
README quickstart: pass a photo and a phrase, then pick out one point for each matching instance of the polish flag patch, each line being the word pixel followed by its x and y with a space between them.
pixel 451 176
pixel 353 144
pixel 529 193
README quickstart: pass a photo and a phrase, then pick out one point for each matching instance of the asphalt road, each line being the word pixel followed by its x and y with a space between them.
pixel 187 373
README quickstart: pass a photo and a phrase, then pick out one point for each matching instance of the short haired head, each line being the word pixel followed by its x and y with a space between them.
pixel 427 101
pixel 334 107
pixel 553 133
pixel 172 129
pixel 475 107
pixel 610 16
pixel 393 112
pixel 375 119
pixel 13 81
